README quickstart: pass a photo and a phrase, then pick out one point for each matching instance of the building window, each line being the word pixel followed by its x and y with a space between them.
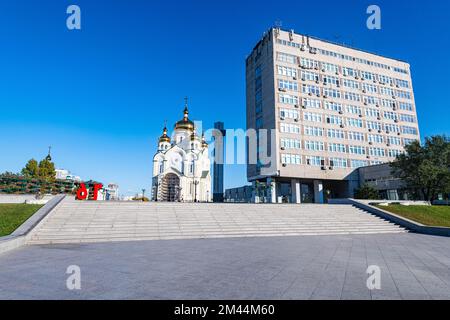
pixel 313 117
pixel 291 159
pixel 314 145
pixel 338 162
pixel 287 85
pixel 315 161
pixel 357 150
pixel 357 136
pixel 313 131
pixel 336 147
pixel 288 99
pixel 335 133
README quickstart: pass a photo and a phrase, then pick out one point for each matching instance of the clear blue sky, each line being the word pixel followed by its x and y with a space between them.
pixel 100 96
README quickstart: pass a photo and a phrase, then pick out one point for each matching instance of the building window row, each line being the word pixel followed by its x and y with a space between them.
pixel 312 145
pixel 342 56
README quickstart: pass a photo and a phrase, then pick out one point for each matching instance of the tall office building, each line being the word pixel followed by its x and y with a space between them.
pixel 333 109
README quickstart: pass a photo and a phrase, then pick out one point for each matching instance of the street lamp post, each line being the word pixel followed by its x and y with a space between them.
pixel 196 182
pixel 143 194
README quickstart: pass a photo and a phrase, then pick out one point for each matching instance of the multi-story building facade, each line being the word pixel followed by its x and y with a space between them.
pixel 333 109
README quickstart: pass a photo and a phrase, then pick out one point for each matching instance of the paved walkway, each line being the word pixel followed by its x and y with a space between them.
pixel 309 267
pixel 85 222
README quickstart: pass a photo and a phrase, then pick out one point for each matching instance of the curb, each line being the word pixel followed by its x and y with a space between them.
pixel 404 222
pixel 19 236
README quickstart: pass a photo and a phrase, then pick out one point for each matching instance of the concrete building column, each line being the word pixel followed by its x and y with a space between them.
pixel 272 190
pixel 318 191
pixel 295 191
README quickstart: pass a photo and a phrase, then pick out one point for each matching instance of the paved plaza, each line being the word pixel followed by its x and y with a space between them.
pixel 412 266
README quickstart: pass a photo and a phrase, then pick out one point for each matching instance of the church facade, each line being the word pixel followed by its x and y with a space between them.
pixel 181 165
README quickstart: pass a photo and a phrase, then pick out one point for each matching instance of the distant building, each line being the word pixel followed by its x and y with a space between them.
pixel 112 192
pixel 63 174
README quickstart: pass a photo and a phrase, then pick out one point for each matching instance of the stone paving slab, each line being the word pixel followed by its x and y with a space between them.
pixel 412 266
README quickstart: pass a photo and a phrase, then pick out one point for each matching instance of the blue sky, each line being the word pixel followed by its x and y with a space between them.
pixel 100 95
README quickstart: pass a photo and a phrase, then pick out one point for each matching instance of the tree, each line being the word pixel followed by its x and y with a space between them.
pixel 31 169
pixel 46 170
pixel 425 168
pixel 367 192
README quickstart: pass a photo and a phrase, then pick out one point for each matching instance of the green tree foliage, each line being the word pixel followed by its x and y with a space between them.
pixel 46 170
pixel 425 168
pixel 31 169
pixel 367 192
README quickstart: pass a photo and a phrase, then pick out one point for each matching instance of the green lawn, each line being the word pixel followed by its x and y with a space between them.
pixel 438 216
pixel 13 215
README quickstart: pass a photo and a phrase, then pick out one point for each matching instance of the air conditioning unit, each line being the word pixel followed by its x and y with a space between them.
pixel 316 68
pixel 396 120
pixel 370 142
pixel 325 96
pixel 317 81
pixel 302 48
pixel 323 168
pixel 281 118
pixel 387 132
pixel 394 97
pixel 364 91
pixel 388 144
pixel 336 73
pixel 309 93
pixel 303 79
pixel 368 157
pixel 283 148
pixel 296 119
pixel 342 126
pixel 284 164
pixel 379 131
pixel 378 118
pixel 370 130
pixel 294 78
pixel 303 106
pixel 360 115
pixel 340 112
pixel 331 168
pixel 398 133
pixel 295 105
pixel 282 89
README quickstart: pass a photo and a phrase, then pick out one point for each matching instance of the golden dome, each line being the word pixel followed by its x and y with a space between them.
pixel 185 123
pixel 164 137
pixel 194 136
pixel 204 143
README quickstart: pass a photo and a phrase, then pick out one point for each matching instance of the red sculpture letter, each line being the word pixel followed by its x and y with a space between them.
pixel 97 187
pixel 82 192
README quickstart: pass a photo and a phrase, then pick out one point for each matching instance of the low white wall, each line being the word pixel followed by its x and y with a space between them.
pixel 16 198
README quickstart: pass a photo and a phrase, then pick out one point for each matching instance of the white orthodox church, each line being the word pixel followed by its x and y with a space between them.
pixel 181 166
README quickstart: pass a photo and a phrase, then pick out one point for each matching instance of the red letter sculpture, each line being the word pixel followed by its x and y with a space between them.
pixel 82 192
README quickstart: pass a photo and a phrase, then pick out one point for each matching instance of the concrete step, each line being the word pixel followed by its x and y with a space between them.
pixel 76 222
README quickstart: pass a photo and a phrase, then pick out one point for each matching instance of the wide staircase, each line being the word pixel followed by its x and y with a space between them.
pixel 82 221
